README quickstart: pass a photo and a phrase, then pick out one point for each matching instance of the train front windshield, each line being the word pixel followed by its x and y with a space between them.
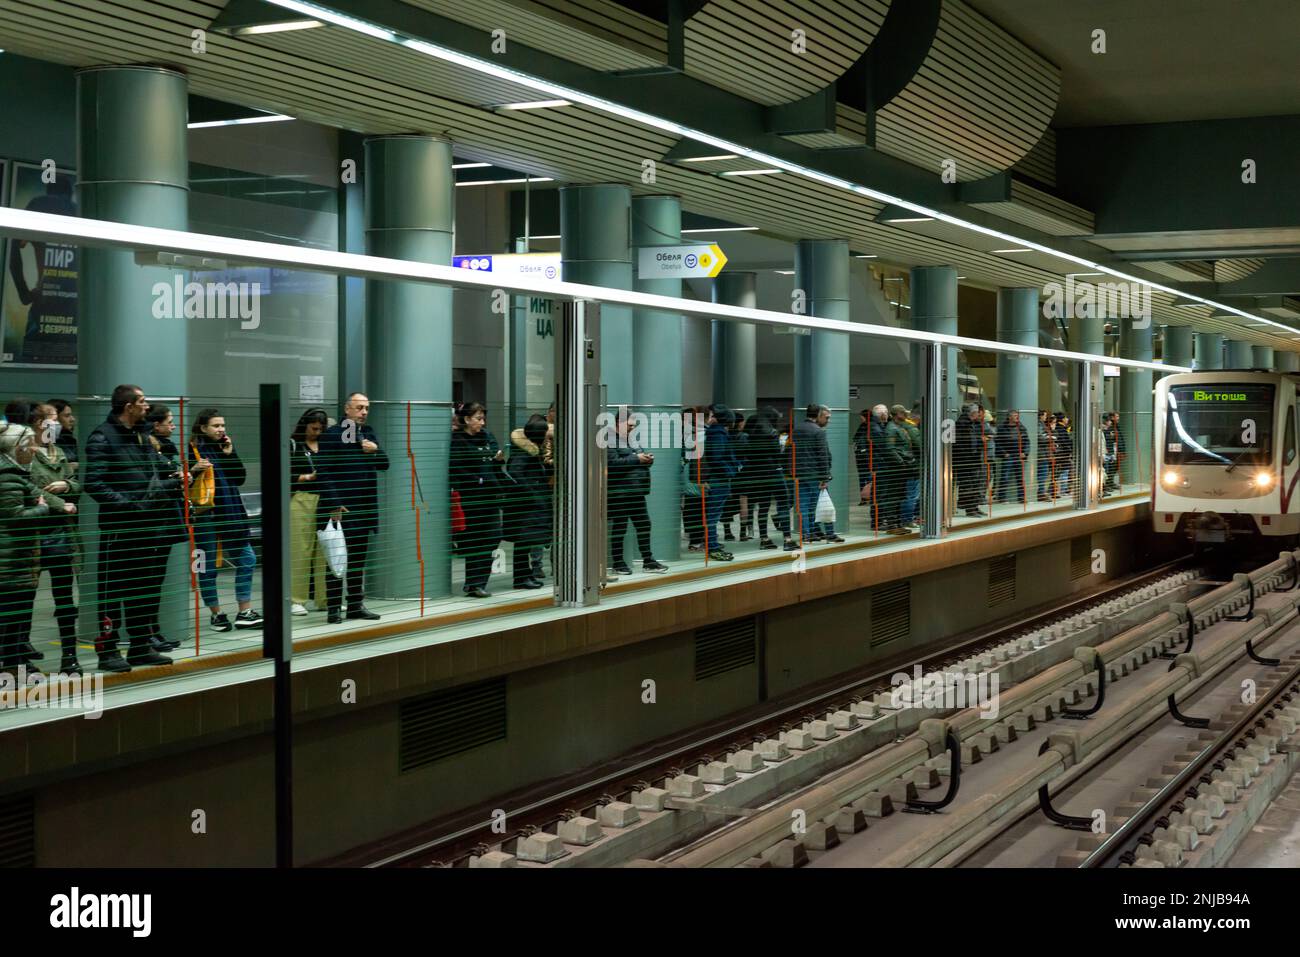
pixel 1220 424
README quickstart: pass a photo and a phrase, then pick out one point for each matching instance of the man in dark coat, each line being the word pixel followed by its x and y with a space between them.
pixel 628 481
pixel 138 493
pixel 348 463
pixel 968 460
pixel 812 471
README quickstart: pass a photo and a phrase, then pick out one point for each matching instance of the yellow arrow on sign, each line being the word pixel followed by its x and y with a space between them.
pixel 714 262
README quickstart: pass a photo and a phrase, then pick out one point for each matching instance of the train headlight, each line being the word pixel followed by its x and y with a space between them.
pixel 1263 480
pixel 1171 478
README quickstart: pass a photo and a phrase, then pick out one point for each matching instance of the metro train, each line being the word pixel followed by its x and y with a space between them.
pixel 1226 463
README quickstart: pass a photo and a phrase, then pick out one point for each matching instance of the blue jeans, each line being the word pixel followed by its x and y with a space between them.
pixel 714 501
pixel 242 557
pixel 809 492
pixel 1012 484
pixel 1044 476
pixel 911 500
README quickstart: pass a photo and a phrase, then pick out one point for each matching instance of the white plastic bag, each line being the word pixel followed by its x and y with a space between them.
pixel 825 514
pixel 335 546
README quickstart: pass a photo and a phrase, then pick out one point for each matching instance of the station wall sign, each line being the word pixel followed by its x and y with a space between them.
pixel 514 265
pixel 680 262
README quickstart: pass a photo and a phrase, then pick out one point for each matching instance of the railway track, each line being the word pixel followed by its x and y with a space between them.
pixel 1017 764
pixel 567 822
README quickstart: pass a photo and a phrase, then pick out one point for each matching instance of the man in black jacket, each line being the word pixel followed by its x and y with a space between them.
pixel 812 471
pixel 628 482
pixel 968 460
pixel 347 467
pixel 137 494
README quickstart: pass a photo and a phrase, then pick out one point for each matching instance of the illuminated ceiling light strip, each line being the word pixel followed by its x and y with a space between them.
pixel 285 27
pixel 1027 250
pixel 1078 274
pixel 722 145
pixel 784 272
pixel 470 165
pixel 751 172
pixel 241 121
pixel 865 256
pixel 81 231
pixel 534 105
pixel 502 182
pixel 909 219
pixel 708 159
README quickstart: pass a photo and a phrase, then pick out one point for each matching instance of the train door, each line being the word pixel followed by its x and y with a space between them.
pixel 1289 465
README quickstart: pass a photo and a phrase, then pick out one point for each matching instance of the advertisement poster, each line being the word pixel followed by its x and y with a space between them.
pixel 39 300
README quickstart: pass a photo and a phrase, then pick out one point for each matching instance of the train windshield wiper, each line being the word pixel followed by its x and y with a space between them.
pixel 1236 459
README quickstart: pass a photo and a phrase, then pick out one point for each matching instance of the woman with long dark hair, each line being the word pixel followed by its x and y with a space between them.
pixel 306 516
pixel 225 524
pixel 475 475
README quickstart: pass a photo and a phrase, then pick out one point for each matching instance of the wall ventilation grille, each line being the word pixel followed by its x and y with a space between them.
pixel 1080 557
pixel 891 613
pixel 725 647
pixel 1002 580
pixel 438 725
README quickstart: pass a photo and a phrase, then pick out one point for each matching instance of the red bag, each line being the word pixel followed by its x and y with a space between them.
pixel 457 514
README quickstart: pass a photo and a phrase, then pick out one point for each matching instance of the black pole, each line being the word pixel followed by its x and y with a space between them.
pixel 277 642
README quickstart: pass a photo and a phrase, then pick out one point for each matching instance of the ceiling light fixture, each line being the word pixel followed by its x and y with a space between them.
pixel 1022 250
pixel 486 67
pixel 534 105
pixel 750 172
pixel 470 165
pixel 240 121
pixel 708 159
pixel 283 27
pixel 865 256
pixel 503 182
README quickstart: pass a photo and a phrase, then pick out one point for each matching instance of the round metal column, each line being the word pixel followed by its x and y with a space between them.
pixel 1263 356
pixel 735 357
pixel 596 249
pixel 1284 361
pixel 1136 403
pixel 410 214
pixel 1209 351
pixel 1179 346
pixel 1240 355
pixel 821 360
pixel 657 361
pixel 132 167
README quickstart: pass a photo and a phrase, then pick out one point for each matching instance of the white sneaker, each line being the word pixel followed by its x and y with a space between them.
pixel 297 609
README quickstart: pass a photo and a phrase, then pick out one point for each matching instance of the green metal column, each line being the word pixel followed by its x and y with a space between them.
pixel 1263 357
pixel 934 309
pixel 657 360
pixel 596 249
pixel 1240 355
pixel 1285 361
pixel 821 360
pixel 1135 403
pixel 410 214
pixel 1209 351
pixel 1018 322
pixel 735 356
pixel 1018 375
pixel 1178 349
pixel 132 167
pixel 1087 334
